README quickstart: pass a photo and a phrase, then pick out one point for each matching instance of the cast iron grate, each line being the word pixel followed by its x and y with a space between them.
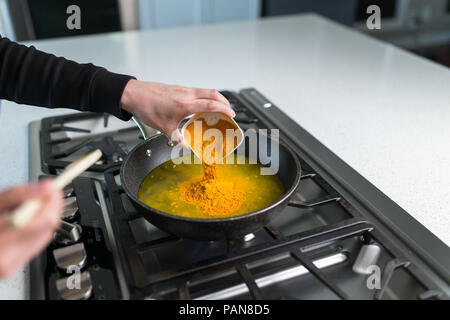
pixel 56 146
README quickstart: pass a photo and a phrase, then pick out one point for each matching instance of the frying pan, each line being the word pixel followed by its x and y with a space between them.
pixel 156 150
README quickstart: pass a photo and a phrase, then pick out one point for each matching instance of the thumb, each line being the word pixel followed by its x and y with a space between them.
pixel 177 138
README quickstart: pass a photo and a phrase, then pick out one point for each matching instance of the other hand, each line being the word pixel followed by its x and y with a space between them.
pixel 18 246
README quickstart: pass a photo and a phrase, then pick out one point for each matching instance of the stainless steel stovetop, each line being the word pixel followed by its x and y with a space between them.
pixel 340 237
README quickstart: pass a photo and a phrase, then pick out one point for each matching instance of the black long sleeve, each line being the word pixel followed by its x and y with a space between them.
pixel 33 77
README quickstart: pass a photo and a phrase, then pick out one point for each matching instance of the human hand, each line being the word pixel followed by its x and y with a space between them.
pixel 18 246
pixel 163 106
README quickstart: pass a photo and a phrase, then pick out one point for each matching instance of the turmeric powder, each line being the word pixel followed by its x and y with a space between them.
pixel 217 197
pixel 214 194
pixel 168 186
pixel 211 141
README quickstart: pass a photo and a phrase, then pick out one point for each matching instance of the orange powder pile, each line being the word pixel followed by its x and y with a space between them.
pixel 217 197
pixel 212 193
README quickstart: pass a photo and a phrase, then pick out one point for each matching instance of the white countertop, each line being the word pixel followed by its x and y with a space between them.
pixel 384 111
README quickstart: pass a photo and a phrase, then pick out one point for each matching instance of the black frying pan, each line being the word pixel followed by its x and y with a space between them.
pixel 138 164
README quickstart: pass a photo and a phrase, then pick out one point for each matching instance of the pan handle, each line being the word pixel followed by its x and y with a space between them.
pixel 146 131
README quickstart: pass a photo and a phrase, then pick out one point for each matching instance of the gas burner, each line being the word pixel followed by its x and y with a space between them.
pixel 67 137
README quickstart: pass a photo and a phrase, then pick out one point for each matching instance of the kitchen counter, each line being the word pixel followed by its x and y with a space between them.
pixel 382 110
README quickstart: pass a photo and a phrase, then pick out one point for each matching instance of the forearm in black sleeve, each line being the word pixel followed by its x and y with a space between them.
pixel 33 77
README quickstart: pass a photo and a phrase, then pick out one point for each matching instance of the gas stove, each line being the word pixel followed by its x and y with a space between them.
pixel 339 237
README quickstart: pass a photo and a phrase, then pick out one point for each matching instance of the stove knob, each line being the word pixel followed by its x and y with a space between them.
pixel 71 288
pixel 70 257
pixel 68 191
pixel 70 208
pixel 367 257
pixel 68 233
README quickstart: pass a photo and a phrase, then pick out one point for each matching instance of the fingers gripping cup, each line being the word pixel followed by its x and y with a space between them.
pixel 212 136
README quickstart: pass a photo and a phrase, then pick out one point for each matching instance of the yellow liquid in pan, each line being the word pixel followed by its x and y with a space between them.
pixel 160 188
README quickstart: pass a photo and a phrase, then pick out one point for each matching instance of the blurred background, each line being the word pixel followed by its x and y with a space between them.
pixel 421 26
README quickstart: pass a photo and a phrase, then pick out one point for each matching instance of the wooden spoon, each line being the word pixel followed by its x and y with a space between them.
pixel 20 217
